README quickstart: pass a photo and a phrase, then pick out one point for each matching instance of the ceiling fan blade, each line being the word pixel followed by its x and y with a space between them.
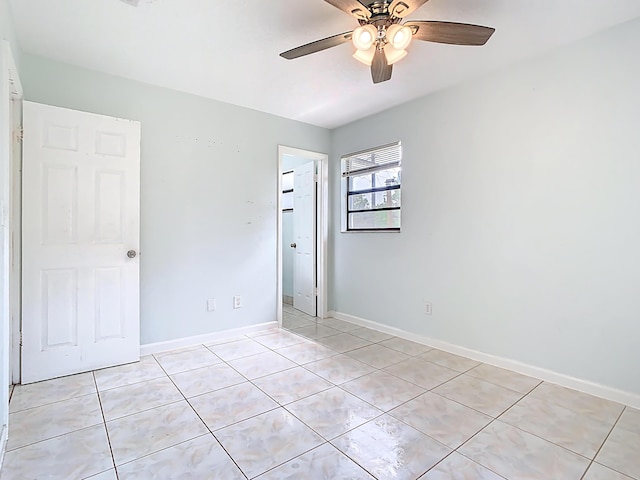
pixel 402 8
pixel 451 32
pixel 380 70
pixel 317 46
pixel 352 7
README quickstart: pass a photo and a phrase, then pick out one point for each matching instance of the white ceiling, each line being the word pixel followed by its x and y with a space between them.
pixel 229 50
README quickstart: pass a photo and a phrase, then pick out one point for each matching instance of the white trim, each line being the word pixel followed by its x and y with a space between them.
pixel 322 227
pixel 4 437
pixel 585 386
pixel 15 281
pixel 10 90
pixel 13 212
pixel 158 347
pixel 15 85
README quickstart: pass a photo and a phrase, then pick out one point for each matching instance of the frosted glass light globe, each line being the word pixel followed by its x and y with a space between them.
pixel 364 36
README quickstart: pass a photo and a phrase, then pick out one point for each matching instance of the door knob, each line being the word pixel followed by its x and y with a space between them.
pixel 131 254
pixel 293 245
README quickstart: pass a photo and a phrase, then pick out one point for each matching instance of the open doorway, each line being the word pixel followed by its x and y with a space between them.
pixel 302 237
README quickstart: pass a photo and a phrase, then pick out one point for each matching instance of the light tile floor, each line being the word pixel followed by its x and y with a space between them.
pixel 324 399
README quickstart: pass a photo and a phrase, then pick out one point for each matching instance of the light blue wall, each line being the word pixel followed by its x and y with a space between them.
pixel 7 31
pixel 521 214
pixel 208 196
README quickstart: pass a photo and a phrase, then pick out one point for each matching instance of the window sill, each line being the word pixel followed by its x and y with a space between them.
pixel 372 231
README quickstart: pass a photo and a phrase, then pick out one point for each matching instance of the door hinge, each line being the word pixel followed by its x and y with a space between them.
pixel 315 177
pixel 20 338
pixel 19 133
pixel 315 291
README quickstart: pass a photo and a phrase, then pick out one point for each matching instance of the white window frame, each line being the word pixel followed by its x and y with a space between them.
pixel 392 158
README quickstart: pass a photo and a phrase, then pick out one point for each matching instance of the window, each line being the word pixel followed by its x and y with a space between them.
pixel 371 183
pixel 287 191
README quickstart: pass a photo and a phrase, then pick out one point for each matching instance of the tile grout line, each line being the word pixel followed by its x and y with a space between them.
pixel 352 459
pixel 328 441
pixel 104 420
pixel 593 460
pixel 198 415
pixel 523 395
pixel 419 356
pixel 288 460
pixel 278 406
pixel 286 406
pixel 382 412
pixel 388 413
pixel 185 398
pixel 468 458
pixel 493 419
pixel 554 443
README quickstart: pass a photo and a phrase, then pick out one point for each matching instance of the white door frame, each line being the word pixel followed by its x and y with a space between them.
pixel 322 212
pixel 10 92
pixel 15 280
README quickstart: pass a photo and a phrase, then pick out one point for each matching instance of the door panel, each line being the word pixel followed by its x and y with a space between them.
pixel 110 202
pixel 304 230
pixel 59 320
pixel 109 314
pixel 80 195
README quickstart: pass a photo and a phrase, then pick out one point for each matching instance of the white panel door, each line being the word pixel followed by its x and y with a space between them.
pixel 304 234
pixel 81 229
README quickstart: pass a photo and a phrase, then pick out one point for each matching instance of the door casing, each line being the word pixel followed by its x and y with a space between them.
pixel 10 98
pixel 15 249
pixel 322 212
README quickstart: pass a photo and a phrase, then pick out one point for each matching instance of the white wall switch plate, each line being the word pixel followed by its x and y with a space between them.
pixel 237 301
pixel 427 308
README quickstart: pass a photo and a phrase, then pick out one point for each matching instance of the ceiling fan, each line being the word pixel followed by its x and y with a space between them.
pixel 381 39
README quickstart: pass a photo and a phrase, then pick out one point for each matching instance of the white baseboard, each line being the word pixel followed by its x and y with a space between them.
pixel 585 386
pixel 158 347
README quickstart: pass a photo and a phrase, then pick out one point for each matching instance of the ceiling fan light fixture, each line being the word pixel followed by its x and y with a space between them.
pixel 399 36
pixel 365 56
pixel 364 37
pixel 381 38
pixel 393 54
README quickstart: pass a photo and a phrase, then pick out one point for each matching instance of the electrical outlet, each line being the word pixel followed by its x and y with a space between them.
pixel 427 308
pixel 237 301
pixel 211 305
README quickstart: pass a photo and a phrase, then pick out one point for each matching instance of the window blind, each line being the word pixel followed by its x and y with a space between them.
pixel 372 160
